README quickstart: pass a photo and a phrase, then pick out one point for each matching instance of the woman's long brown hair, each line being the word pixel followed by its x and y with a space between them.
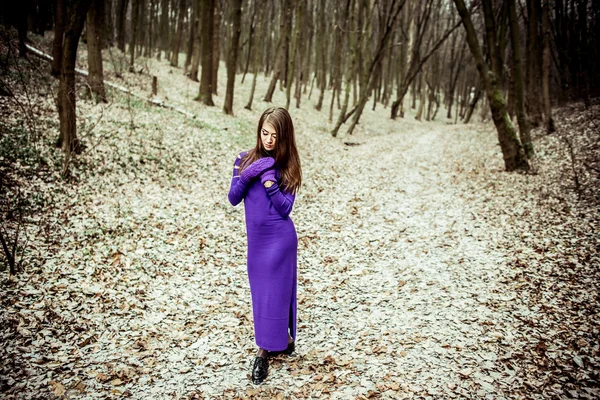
pixel 285 152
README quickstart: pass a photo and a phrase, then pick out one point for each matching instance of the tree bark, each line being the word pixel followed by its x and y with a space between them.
pixel 94 40
pixel 57 44
pixel 349 67
pixel 534 66
pixel 207 10
pixel 121 23
pixel 322 56
pixel 191 45
pixel 215 46
pixel 512 151
pixel 292 63
pixel 236 18
pixel 77 10
pixel 179 35
pixel 135 13
pixel 250 40
pixel 515 40
pixel 164 28
pixel 197 41
pixel 548 120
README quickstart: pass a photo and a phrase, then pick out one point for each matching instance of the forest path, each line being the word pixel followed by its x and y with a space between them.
pixel 425 270
pixel 394 280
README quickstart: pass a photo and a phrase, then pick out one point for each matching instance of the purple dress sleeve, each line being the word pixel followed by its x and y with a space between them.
pixel 282 202
pixel 238 188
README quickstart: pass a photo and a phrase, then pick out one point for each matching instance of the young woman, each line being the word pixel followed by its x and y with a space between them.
pixel 267 179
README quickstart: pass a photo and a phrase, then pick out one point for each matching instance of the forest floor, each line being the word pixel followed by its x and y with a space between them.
pixel 425 270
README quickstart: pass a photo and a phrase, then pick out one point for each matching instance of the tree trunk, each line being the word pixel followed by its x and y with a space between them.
pixel 94 40
pixel 250 40
pixel 207 12
pixel 179 35
pixel 279 69
pixel 534 66
pixel 215 46
pixel 57 44
pixel 548 120
pixel 524 128
pixel 292 63
pixel 164 28
pixel 135 13
pixel 349 67
pixel 143 22
pixel 121 23
pixel 584 49
pixel 254 78
pixel 191 45
pixel 73 27
pixel 514 156
pixel 236 18
pixel 197 41
pixel 336 60
pixel 322 56
pixel 109 26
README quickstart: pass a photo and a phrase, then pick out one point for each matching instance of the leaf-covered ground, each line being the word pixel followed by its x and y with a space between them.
pixel 425 271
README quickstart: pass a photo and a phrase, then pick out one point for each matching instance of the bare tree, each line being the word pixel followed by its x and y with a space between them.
pixel 390 14
pixel 236 18
pixel 177 43
pixel 548 120
pixel 517 72
pixel 164 28
pixel 95 21
pixel 513 153
pixel 68 43
pixel 121 23
pixel 207 8
pixel 285 23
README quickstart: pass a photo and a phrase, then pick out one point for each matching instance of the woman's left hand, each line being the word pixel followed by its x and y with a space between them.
pixel 268 175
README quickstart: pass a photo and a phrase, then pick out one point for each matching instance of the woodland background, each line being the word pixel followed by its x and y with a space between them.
pixel 448 226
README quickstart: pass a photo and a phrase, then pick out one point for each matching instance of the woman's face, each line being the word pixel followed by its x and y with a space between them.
pixel 268 136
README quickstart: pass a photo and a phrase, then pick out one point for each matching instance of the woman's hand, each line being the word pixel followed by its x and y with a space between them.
pixel 268 175
pixel 256 168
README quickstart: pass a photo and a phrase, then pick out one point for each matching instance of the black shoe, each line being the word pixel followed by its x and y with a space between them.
pixel 290 349
pixel 259 370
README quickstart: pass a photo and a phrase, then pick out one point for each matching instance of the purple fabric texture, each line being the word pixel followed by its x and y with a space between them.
pixel 256 168
pixel 272 258
pixel 268 175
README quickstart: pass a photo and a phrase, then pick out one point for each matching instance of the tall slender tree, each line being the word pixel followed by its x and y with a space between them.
pixel 207 9
pixel 517 76
pixel 135 28
pixel 178 36
pixel 216 46
pixel 68 43
pixel 121 23
pixel 236 22
pixel 95 22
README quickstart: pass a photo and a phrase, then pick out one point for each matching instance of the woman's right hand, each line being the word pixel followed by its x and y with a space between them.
pixel 256 168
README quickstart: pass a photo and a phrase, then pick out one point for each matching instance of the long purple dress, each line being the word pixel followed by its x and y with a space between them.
pixel 272 258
